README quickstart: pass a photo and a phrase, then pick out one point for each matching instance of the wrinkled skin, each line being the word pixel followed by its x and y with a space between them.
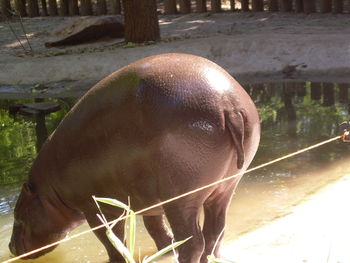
pixel 153 130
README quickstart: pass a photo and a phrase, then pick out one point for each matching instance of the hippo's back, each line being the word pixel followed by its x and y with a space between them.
pixel 157 121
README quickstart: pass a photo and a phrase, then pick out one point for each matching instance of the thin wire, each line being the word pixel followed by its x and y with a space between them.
pixel 181 196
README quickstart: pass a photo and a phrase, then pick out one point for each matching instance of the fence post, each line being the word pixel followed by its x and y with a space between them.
pixel 309 6
pixel 316 90
pixel 245 5
pixel 257 5
pixel 286 5
pixel 201 6
pixel 20 7
pixel 73 9
pixel 101 7
pixel 44 8
pixel 232 5
pixel 338 6
pixel 117 7
pixel 215 6
pixel 299 7
pixel 273 5
pixel 86 7
pixel 343 92
pixel 5 8
pixel 170 7
pixel 185 6
pixel 63 11
pixel 33 8
pixel 326 6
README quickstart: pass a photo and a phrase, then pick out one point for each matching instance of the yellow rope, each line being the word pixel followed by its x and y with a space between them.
pixel 183 195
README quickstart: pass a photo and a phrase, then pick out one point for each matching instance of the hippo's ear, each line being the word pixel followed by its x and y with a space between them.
pixel 235 124
pixel 27 190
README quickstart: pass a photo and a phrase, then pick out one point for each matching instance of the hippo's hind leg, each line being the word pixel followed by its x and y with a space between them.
pixel 215 209
pixel 93 221
pixel 158 230
pixel 183 218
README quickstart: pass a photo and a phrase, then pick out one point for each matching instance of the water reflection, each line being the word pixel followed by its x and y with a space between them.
pixel 294 115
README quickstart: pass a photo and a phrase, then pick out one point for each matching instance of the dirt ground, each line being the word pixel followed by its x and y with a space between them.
pixel 248 45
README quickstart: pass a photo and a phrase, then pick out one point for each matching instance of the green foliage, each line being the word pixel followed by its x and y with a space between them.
pixel 18 140
pixel 17 148
pixel 129 45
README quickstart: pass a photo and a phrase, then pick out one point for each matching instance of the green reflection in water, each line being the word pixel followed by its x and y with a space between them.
pixel 293 119
pixel 18 139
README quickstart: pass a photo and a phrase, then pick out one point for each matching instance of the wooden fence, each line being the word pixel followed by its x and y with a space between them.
pixel 34 8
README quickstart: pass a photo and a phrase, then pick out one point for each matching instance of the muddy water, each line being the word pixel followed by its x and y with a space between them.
pixel 293 116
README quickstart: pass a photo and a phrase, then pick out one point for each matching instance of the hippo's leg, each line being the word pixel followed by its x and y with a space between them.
pixel 215 210
pixel 114 255
pixel 158 230
pixel 183 218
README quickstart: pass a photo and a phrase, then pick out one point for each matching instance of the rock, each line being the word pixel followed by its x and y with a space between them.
pixel 83 29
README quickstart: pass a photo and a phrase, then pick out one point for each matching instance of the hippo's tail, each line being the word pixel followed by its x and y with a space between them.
pixel 234 121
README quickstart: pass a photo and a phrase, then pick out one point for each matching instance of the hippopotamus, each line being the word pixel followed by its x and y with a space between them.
pixel 155 129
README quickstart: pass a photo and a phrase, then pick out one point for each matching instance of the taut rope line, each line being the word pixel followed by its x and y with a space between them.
pixel 182 195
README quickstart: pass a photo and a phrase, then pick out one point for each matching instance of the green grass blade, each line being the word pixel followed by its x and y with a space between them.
pixel 114 202
pixel 213 259
pixel 118 244
pixel 132 231
pixel 164 251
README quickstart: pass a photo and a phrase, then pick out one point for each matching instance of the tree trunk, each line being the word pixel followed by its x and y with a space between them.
pixel 232 5
pixel 20 7
pixel 5 8
pixel 245 5
pixel 343 92
pixel 299 6
pixel 316 91
pixel 101 7
pixel 141 21
pixel 215 6
pixel 33 8
pixel 44 8
pixel 185 6
pixel 170 7
pixel 326 6
pixel 309 6
pixel 52 8
pixel 328 94
pixel 273 5
pixel 257 5
pixel 73 9
pixel 201 6
pixel 86 7
pixel 338 6
pixel 63 11
pixel 116 7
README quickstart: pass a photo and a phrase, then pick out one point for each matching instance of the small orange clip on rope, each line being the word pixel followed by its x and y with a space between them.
pixel 345 130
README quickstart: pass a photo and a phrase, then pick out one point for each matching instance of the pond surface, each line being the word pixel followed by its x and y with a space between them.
pixel 294 115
